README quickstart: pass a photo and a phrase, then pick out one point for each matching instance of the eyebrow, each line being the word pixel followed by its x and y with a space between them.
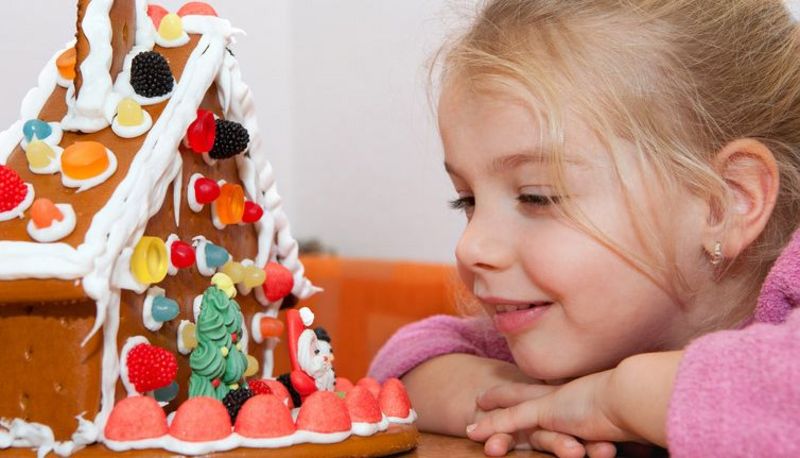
pixel 515 160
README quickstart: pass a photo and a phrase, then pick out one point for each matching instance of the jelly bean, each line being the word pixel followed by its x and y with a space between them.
pixel 129 113
pixel 230 204
pixel 206 190
pixel 171 27
pixel 216 256
pixel 253 276
pixel 270 327
pixel 66 64
pixel 83 160
pixel 39 154
pixel 36 128
pixel 149 261
pixel 252 366
pixel 181 254
pixel 166 393
pixel 44 212
pixel 234 270
pixel 164 309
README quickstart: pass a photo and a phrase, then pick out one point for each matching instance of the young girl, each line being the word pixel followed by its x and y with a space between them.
pixel 630 172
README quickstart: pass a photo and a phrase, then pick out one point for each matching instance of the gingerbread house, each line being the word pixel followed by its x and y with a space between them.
pixel 134 174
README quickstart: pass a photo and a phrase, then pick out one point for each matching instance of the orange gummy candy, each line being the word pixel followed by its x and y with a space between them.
pixel 83 160
pixel 44 212
pixel 66 64
pixel 230 204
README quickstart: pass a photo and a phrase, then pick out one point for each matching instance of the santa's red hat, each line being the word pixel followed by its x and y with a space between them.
pixel 297 321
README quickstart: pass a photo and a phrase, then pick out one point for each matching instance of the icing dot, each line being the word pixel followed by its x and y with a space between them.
pixel 36 128
pixel 83 160
pixel 129 113
pixel 39 154
pixel 230 205
pixel 44 212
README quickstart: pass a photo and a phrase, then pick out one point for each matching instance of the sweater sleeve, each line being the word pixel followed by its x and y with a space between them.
pixel 438 335
pixel 737 393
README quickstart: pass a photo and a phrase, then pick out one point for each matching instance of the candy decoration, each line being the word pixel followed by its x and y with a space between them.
pixel 84 160
pixel 395 403
pixel 168 393
pixel 187 337
pixel 39 154
pixel 129 113
pixel 324 412
pixel 171 27
pixel 230 204
pixel 150 367
pixel 252 212
pixel 252 366
pixel 206 190
pixel 35 128
pixel 279 282
pixel 197 9
pixel 234 401
pixel 136 418
pixel 164 309
pixel 66 64
pixel 216 256
pixel 151 75
pixel 201 419
pixel 202 131
pixel 224 283
pixel 149 261
pixel 44 212
pixel 253 276
pixel 231 139
pixel 271 327
pixel 156 13
pixel 234 270
pixel 181 254
pixel 13 191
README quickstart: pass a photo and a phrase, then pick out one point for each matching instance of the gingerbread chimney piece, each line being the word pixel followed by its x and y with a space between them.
pixel 123 35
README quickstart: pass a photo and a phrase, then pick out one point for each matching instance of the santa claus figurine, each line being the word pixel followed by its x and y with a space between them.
pixel 312 365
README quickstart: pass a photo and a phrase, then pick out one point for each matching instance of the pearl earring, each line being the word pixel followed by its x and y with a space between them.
pixel 716 255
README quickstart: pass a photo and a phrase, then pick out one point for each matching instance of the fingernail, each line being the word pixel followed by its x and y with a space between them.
pixel 572 443
pixel 471 428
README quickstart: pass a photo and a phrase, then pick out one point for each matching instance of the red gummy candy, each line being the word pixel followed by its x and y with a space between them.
pixel 181 254
pixel 252 212
pixel 279 282
pixel 12 189
pixel 197 9
pixel 202 131
pixel 156 13
pixel 206 190
pixel 136 418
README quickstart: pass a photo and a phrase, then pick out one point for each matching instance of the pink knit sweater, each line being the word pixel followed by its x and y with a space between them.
pixel 737 392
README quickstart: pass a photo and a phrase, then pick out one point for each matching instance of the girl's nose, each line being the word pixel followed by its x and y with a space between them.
pixel 484 246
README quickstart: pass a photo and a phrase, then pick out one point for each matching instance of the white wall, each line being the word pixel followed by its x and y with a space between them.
pixel 341 93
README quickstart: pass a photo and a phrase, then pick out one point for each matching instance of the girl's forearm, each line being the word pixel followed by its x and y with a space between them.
pixel 638 393
pixel 443 390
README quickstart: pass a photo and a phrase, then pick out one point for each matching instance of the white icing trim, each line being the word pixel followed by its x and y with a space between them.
pixel 147 308
pixel 199 244
pixel 214 216
pixel 411 418
pixel 255 325
pixel 90 183
pixel 123 362
pixel 58 229
pixel 19 210
pixel 25 434
pixel 171 269
pixel 132 131
pixel 176 43
pixel 196 306
pixel 191 194
pixel 63 82
pixel 367 429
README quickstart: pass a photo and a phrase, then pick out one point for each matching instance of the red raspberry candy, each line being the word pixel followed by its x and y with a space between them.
pixel 151 367
pixel 12 189
pixel 259 386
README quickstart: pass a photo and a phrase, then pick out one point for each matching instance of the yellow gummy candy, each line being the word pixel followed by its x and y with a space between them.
pixel 254 276
pixel 224 282
pixel 224 351
pixel 252 366
pixel 129 113
pixel 234 270
pixel 149 261
pixel 189 336
pixel 171 27
pixel 39 154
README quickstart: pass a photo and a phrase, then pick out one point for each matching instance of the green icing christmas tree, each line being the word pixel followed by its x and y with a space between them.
pixel 217 363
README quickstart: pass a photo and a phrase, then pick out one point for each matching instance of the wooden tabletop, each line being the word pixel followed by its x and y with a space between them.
pixel 435 445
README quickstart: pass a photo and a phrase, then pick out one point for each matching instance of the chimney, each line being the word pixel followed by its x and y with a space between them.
pixel 123 34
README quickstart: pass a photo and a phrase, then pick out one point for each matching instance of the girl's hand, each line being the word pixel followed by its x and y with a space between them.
pixel 561 445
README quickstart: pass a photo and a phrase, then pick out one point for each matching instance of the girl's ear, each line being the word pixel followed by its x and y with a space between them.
pixel 751 174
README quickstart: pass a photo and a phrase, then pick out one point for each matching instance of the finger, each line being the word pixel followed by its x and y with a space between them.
pixel 600 449
pixel 561 445
pixel 519 417
pixel 510 394
pixel 499 444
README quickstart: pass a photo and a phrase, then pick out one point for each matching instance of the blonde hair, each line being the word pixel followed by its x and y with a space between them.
pixel 679 79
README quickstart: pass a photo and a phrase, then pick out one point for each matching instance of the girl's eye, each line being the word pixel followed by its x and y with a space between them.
pixel 462 203
pixel 538 200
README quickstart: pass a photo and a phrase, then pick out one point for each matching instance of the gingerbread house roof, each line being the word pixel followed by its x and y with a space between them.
pixel 112 217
